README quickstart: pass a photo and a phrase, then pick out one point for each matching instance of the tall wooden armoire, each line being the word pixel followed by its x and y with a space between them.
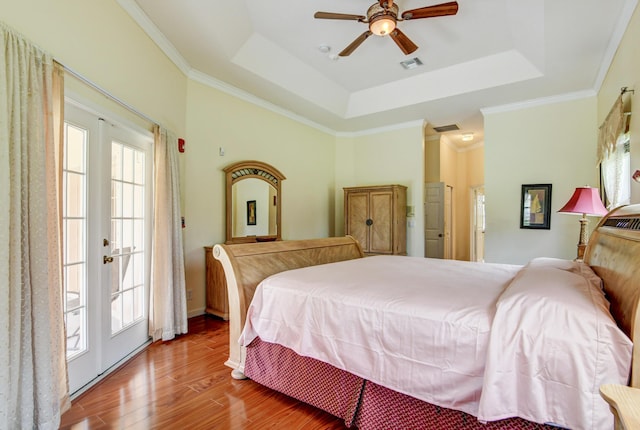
pixel 376 216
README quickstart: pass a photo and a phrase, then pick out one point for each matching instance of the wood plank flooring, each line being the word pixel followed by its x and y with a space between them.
pixel 183 384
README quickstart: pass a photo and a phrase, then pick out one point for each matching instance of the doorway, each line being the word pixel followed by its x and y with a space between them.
pixel 107 196
pixel 477 223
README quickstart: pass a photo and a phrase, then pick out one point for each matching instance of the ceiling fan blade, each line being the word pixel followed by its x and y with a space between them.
pixel 403 42
pixel 352 47
pixel 450 8
pixel 331 15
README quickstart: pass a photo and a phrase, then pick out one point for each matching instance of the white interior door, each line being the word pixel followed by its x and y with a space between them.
pixel 107 207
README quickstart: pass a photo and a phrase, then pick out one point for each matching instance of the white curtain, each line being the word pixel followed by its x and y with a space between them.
pixel 33 378
pixel 168 309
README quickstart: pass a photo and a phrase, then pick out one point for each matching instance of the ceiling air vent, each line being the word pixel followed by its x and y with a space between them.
pixel 411 63
pixel 443 128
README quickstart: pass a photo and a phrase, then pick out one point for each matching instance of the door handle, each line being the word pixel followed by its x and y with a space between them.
pixel 106 259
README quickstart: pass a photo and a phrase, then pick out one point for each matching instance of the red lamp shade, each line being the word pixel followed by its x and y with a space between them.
pixel 585 200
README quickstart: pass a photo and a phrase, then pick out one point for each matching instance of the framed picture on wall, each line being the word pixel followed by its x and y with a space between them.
pixel 535 206
pixel 251 212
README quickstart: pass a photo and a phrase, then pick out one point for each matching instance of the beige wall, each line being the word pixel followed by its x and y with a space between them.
pixel 625 72
pixel 432 159
pixel 388 157
pixel 248 132
pixel 553 143
pixel 475 166
pixel 102 43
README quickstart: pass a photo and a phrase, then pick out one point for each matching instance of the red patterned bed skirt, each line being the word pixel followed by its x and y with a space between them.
pixel 360 403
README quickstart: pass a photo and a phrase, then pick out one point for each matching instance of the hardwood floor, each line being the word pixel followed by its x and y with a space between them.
pixel 185 384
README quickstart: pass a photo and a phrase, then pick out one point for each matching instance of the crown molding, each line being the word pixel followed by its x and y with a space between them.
pixel 614 42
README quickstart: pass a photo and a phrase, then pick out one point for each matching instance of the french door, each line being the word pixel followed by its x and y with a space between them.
pixel 106 233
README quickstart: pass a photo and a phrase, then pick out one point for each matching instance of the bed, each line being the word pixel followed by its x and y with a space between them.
pixel 434 385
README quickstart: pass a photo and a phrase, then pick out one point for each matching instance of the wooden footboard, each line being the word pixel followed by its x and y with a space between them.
pixel 245 265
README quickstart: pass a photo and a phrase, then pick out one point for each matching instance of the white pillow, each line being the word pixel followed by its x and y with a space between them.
pixel 553 343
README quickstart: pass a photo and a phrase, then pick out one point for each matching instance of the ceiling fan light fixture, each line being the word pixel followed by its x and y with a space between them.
pixel 382 25
pixel 382 18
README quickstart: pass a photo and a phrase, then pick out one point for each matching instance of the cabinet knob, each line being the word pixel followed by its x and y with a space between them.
pixel 369 221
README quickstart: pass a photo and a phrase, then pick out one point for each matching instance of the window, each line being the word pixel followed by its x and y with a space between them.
pixel 616 173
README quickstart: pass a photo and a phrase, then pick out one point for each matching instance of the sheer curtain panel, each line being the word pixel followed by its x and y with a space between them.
pixel 33 378
pixel 168 307
pixel 616 173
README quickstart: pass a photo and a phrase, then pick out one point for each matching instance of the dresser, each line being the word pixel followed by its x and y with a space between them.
pixel 217 302
pixel 376 216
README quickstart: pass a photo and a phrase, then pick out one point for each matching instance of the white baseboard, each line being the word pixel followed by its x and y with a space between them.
pixel 195 312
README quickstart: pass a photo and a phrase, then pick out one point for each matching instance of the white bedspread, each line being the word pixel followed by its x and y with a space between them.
pixel 418 326
pixel 491 340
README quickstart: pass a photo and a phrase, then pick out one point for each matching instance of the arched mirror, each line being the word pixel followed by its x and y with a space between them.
pixel 254 202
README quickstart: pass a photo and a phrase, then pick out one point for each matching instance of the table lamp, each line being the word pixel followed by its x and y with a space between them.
pixel 585 201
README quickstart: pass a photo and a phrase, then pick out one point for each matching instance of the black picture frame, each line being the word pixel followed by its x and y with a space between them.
pixel 535 206
pixel 251 212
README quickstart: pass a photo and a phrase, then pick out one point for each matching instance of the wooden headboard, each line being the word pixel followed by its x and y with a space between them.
pixel 245 265
pixel 613 252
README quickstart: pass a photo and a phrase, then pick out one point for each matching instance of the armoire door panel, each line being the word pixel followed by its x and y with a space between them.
pixel 357 215
pixel 381 232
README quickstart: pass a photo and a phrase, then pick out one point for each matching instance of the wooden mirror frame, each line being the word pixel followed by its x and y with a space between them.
pixel 253 169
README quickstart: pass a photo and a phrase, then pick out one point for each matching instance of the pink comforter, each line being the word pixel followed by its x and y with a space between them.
pixel 419 326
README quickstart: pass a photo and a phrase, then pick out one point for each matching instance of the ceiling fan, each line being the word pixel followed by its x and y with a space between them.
pixel 382 18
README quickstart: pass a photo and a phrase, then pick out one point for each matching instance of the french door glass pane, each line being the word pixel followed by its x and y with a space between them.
pixel 128 235
pixel 74 235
